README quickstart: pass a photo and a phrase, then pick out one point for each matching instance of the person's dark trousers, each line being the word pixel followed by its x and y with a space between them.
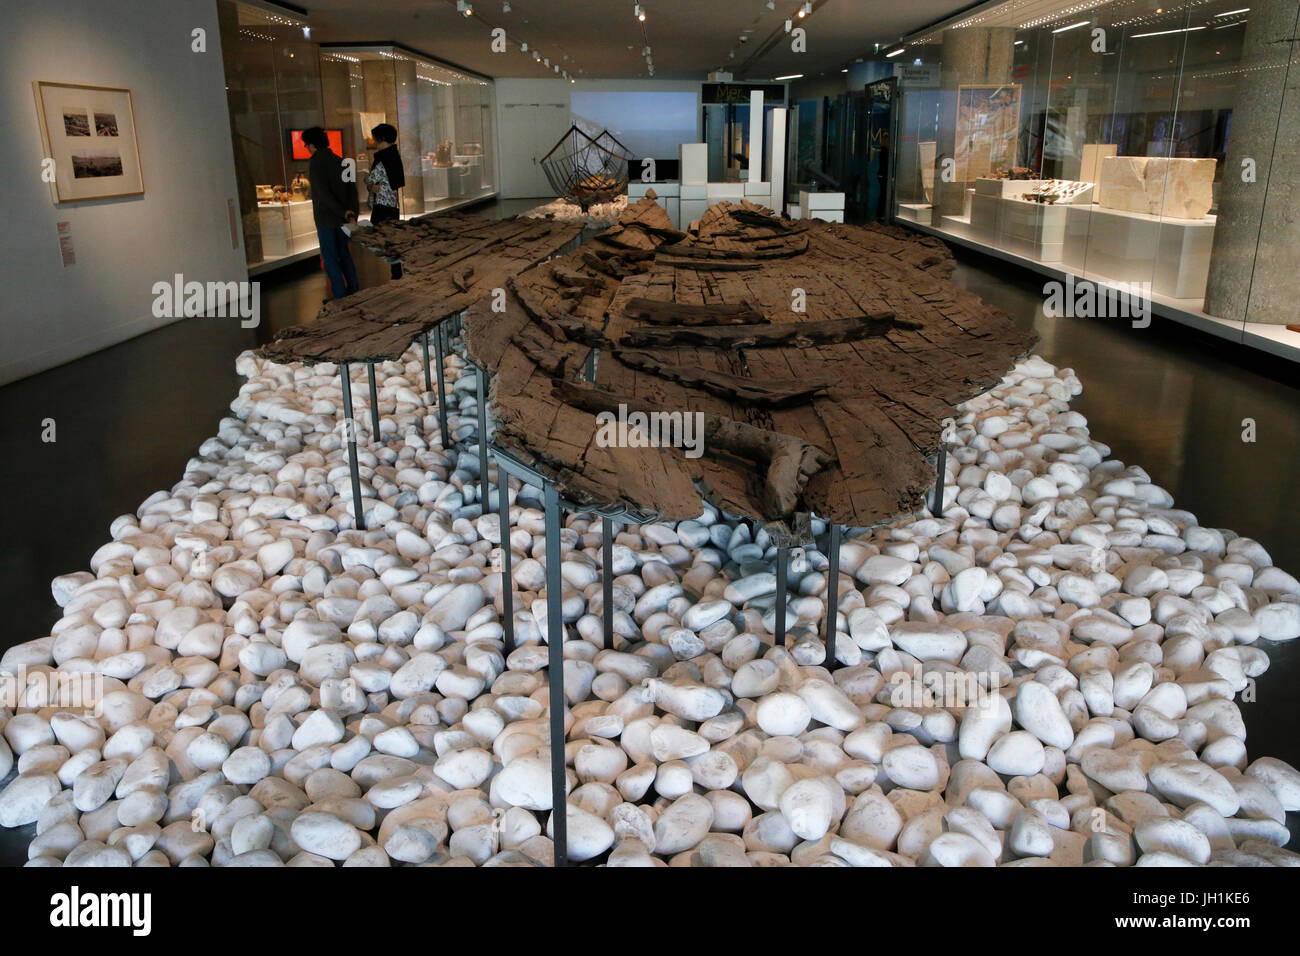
pixel 337 258
pixel 380 214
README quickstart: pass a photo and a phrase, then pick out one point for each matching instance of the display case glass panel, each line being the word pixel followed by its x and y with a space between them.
pixel 1112 143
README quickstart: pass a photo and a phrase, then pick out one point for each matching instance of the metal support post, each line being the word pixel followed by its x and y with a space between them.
pixel 350 434
pixel 832 595
pixel 555 666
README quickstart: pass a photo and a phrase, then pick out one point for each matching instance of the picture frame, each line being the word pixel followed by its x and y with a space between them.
pixel 89 134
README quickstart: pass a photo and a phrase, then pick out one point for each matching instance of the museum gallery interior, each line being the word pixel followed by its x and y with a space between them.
pixel 777 433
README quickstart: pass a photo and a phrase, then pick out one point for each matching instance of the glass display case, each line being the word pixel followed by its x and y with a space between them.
pixel 279 82
pixel 272 89
pixel 444 120
pixel 1124 143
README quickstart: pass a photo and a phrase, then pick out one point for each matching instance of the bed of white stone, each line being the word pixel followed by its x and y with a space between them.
pixel 279 688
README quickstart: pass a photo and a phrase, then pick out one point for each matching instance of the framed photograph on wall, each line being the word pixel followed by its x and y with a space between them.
pixel 89 132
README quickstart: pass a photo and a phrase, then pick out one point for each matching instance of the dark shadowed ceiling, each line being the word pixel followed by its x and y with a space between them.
pixel 603 38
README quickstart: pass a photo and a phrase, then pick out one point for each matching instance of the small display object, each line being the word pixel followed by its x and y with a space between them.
pixel 988 129
pixel 300 188
pixel 265 193
pixel 89 134
pixel 925 151
pixel 298 149
pixel 1054 192
pixel 442 155
pixel 1155 186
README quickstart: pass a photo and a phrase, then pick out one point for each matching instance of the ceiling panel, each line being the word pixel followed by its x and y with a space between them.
pixel 603 38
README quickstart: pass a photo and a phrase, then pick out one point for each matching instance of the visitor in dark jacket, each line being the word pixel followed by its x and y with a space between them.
pixel 334 204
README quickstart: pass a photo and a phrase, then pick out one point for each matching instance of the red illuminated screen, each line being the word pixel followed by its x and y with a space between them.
pixel 299 148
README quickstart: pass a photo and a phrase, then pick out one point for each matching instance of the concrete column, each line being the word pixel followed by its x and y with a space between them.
pixel 1253 274
pixel 970 56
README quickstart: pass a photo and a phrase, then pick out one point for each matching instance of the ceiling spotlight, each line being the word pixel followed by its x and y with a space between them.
pixel 306 32
pixel 788 25
pixel 505 7
pixel 465 7
pixel 523 48
pixel 771 4
pixel 805 9
pixel 645 51
pixel 536 55
pixel 638 12
pixel 546 62
pixel 557 68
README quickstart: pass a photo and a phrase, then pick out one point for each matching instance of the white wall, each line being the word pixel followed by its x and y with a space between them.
pixel 515 152
pixel 50 314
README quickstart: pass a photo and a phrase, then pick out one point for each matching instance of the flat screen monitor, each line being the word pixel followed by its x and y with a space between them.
pixel 298 149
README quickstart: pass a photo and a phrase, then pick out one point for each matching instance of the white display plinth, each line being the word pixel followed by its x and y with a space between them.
pixel 1172 254
pixel 916 212
pixel 435 182
pixel 731 192
pixel 286 228
pixel 821 205
pixel 694 163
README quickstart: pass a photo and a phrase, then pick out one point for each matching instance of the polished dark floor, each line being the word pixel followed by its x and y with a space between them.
pixel 128 418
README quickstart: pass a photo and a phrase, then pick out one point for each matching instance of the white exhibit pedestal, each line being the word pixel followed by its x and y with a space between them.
pixel 287 228
pixel 1172 254
pixel 755 171
pixel 821 205
pixel 776 158
pixel 694 164
pixel 916 212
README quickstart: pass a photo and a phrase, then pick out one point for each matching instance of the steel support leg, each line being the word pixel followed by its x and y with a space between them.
pixel 480 393
pixel 424 344
pixel 941 471
pixel 507 577
pixel 442 388
pixel 607 578
pixel 782 563
pixel 374 404
pixel 555 665
pixel 350 427
pixel 832 595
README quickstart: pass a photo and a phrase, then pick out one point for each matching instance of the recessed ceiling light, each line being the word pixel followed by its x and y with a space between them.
pixel 1072 26
pixel 792 76
pixel 894 53
pixel 1160 33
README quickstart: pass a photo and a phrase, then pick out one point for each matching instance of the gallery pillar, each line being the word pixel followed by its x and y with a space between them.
pixel 976 56
pixel 1253 277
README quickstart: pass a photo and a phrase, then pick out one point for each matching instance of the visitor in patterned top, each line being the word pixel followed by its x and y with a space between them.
pixel 386 176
